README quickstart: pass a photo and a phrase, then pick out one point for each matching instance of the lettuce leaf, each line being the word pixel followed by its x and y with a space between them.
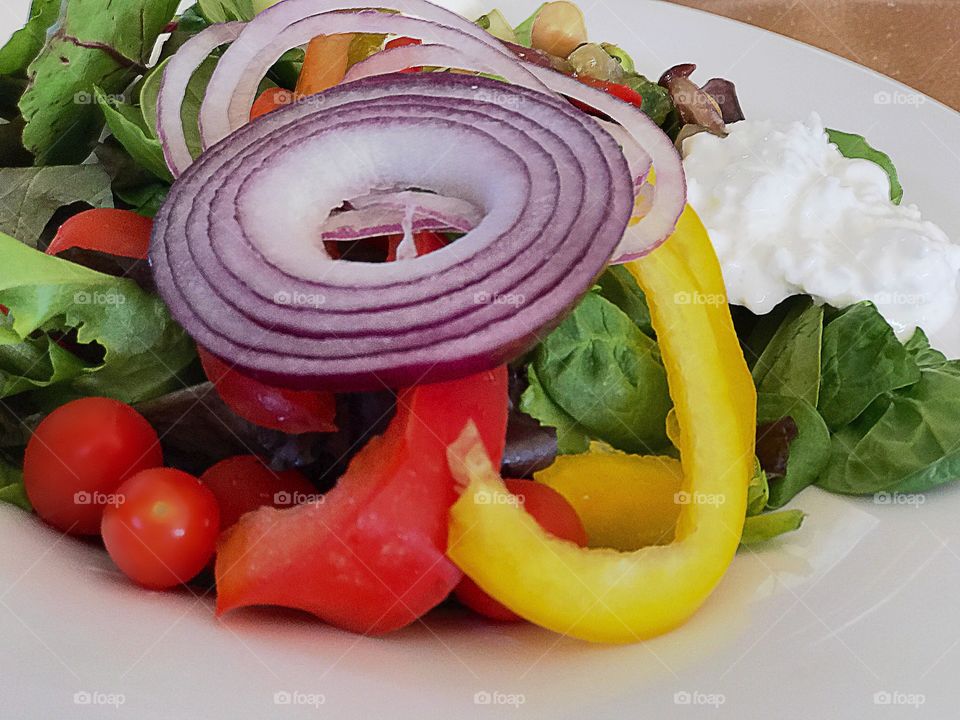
pixel 26 43
pixel 99 44
pixel 11 487
pixel 127 345
pixel 29 197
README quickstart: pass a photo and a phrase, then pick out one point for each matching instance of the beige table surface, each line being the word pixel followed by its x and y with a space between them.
pixel 915 41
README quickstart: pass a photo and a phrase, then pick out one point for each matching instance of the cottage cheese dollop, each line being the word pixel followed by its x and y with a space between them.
pixel 788 214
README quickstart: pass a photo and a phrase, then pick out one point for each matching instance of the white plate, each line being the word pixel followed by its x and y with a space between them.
pixel 853 617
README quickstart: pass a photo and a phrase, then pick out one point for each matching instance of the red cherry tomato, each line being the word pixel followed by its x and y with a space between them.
pixel 162 528
pixel 244 483
pixel 554 514
pixel 290 411
pixel 78 457
pixel 107 230
pixel 403 42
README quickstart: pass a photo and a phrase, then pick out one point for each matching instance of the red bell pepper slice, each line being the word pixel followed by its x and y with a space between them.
pixel 372 557
pixel 621 92
pixel 426 242
pixel 106 230
pixel 290 411
pixel 403 42
pixel 270 99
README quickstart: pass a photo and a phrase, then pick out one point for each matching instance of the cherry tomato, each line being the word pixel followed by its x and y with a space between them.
pixel 244 483
pixel 107 230
pixel 290 411
pixel 554 514
pixel 161 529
pixel 80 454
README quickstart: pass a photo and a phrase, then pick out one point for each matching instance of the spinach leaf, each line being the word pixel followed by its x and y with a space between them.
pixel 26 43
pixel 856 147
pixel 906 441
pixel 861 360
pixel 29 197
pixel 607 375
pixel 11 487
pixel 96 44
pixel 760 528
pixel 790 363
pixel 218 11
pixel 918 347
pixel 142 351
pixel 571 438
pixel 126 124
pixel 807 454
pixel 619 287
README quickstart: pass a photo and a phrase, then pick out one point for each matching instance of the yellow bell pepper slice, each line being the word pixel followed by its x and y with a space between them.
pixel 625 502
pixel 604 595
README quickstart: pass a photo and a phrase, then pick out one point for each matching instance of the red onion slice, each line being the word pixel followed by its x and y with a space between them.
pixel 643 142
pixel 173 86
pixel 400 213
pixel 237 256
pixel 288 24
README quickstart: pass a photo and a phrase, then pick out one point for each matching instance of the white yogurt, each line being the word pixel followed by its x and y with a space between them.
pixel 788 214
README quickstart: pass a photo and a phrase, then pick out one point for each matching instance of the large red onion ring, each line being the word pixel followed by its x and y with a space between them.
pixel 237 253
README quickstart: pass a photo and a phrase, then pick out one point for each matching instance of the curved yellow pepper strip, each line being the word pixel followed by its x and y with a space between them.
pixel 625 502
pixel 604 595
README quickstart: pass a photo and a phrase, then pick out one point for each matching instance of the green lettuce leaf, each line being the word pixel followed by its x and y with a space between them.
pixel 761 528
pixel 571 438
pixel 656 98
pixel 218 11
pixel 126 124
pixel 142 352
pixel 603 372
pixel 856 147
pixel 861 360
pixel 29 197
pixel 11 487
pixel 619 287
pixel 96 44
pixel 27 42
pixel 758 492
